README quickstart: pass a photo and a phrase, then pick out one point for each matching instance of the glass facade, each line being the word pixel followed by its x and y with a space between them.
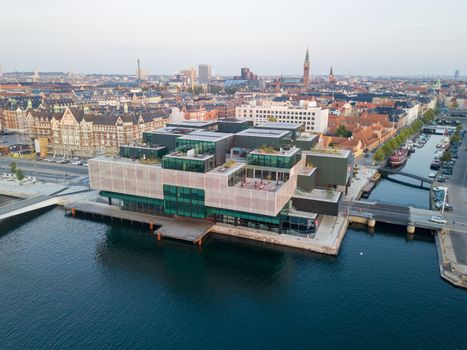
pixel 141 152
pixel 286 224
pixel 137 203
pixel 200 147
pixel 184 201
pixel 185 164
pixel 273 161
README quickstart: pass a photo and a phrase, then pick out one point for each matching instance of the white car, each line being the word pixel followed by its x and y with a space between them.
pixel 438 220
pixel 431 175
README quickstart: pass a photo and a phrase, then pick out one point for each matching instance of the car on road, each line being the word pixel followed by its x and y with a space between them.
pixel 431 175
pixel 438 220
pixel 76 162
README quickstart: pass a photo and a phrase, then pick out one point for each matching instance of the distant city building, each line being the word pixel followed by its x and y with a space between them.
pixel 204 73
pixel 246 74
pixel 138 71
pixel 190 76
pixel 313 117
pixel 456 74
pixel 74 132
pixel 306 72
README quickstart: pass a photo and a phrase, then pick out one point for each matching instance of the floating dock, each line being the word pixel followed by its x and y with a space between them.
pixel 182 228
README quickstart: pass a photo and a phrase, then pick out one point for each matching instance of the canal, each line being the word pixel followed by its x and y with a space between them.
pixel 75 283
pixel 392 191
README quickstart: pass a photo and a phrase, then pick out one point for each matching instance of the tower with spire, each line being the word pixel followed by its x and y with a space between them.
pixel 331 78
pixel 306 72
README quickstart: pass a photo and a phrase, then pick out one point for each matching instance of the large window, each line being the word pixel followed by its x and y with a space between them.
pixel 200 147
pixel 184 164
pixel 273 161
pixel 142 152
pixel 184 201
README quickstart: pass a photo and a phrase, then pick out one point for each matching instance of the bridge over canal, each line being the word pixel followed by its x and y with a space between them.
pixel 404 215
pixel 385 172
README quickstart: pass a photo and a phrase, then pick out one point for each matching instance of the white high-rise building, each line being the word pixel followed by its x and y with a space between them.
pixel 308 113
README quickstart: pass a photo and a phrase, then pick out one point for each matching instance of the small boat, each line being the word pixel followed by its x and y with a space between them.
pixel 399 157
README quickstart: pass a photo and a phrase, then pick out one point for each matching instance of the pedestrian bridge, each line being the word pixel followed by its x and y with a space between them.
pixel 26 205
pixel 385 171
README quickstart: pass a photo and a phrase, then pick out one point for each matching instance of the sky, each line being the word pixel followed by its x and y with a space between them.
pixel 358 37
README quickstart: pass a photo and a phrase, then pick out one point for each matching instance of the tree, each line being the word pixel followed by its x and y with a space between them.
pixel 387 149
pixel 343 132
pixel 446 156
pixel 455 138
pixel 13 167
pixel 19 174
pixel 379 155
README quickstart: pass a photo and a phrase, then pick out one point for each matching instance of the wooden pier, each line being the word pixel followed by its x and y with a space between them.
pixel 181 228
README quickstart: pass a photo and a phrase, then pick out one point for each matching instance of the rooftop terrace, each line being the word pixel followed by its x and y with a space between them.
pixel 259 185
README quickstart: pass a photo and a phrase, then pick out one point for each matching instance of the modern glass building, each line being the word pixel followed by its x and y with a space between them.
pixel 199 178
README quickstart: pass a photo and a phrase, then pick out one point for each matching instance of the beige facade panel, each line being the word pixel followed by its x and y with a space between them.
pixel 147 181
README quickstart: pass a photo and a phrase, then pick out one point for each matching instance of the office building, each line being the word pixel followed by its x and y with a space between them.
pixel 308 113
pixel 256 177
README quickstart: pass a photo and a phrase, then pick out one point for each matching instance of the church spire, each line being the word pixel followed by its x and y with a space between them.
pixel 306 71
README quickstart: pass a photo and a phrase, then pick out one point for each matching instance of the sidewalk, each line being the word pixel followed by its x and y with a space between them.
pixel 357 183
pixel 450 269
pixel 327 239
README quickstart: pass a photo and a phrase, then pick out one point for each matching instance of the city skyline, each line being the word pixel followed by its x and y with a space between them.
pixel 368 38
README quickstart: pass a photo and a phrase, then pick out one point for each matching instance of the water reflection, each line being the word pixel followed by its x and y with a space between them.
pixel 222 263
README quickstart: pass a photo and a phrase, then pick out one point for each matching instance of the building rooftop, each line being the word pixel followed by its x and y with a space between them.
pixel 319 194
pixel 201 135
pixel 173 130
pixel 334 153
pixel 281 126
pixel 125 160
pixel 228 170
pixel 257 132
pixel 285 152
pixel 198 124
pixel 190 155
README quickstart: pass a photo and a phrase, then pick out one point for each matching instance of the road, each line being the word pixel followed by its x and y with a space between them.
pixel 50 172
pixel 457 192
pixel 381 212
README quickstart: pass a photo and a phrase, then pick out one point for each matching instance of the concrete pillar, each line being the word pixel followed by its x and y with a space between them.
pixel 371 223
pixel 410 229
